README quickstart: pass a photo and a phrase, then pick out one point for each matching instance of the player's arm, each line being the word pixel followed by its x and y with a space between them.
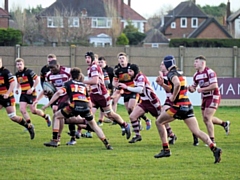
pixel 208 88
pixel 176 87
pixel 36 81
pixel 54 97
pixel 10 89
pixel 92 81
pixel 161 81
pixel 17 88
pixel 137 89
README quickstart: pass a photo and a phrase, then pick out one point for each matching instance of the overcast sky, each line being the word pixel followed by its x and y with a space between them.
pixel 144 7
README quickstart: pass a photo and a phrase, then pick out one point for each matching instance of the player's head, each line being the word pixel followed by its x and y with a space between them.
pixel 76 73
pixel 89 57
pixel 200 62
pixel 19 64
pixel 169 62
pixel 51 57
pixel 163 67
pixel 133 70
pixel 122 59
pixel 54 67
pixel 102 62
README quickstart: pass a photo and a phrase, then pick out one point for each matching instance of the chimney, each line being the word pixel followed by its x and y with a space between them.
pixel 122 7
pixel 6 5
pixel 129 3
pixel 194 1
pixel 228 9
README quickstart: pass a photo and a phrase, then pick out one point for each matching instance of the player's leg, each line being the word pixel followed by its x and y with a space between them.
pixel 134 118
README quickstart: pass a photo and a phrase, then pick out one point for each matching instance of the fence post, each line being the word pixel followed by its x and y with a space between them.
pixel 127 51
pixel 17 55
pixel 235 61
pixel 72 55
pixel 181 58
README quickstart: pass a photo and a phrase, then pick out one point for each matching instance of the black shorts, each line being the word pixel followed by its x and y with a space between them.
pixel 181 112
pixel 10 101
pixel 132 95
pixel 77 108
pixel 28 98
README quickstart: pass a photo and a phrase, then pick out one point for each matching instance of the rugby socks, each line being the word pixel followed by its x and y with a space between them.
pixel 169 132
pixel 136 127
pixel 23 123
pixel 165 146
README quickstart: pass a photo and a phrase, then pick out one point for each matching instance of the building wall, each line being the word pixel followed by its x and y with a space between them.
pixel 221 60
pixel 3 22
pixel 207 32
pixel 179 32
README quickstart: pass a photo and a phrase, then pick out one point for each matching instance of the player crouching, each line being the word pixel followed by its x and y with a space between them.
pixel 78 106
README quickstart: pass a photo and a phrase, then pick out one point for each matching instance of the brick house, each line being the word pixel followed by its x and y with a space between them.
pixel 233 23
pixel 188 21
pixel 4 16
pixel 99 21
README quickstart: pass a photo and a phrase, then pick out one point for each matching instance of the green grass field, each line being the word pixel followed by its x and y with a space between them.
pixel 22 158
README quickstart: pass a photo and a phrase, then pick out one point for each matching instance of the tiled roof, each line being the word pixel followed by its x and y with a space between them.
pixel 129 13
pixel 187 9
pixel 233 16
pixel 3 12
pixel 155 36
pixel 205 24
pixel 94 8
pixel 184 9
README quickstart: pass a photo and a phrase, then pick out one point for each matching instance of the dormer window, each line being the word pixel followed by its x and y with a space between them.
pixel 173 25
pixel 194 22
pixel 183 23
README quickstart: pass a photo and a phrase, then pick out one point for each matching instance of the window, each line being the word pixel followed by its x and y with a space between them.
pixel 173 25
pixel 183 22
pixel 73 22
pixel 154 45
pixel 101 22
pixel 54 22
pixel 194 22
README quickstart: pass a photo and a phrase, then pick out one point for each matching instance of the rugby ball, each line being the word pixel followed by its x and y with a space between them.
pixel 48 88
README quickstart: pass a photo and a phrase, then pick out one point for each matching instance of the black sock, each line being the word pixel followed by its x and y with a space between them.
pixel 72 130
pixel 105 142
pixel 23 123
pixel 55 135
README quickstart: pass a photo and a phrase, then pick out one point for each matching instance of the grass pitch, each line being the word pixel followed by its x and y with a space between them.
pixel 22 158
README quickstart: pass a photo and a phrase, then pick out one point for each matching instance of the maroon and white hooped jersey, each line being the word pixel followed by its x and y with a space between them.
pixel 96 70
pixel 59 79
pixel 205 79
pixel 148 93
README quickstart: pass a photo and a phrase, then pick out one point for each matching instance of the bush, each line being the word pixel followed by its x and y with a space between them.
pixel 122 40
pixel 10 37
pixel 204 42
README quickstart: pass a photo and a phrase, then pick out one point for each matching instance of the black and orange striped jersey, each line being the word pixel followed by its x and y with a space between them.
pixel 76 91
pixel 6 78
pixel 182 98
pixel 45 69
pixel 122 76
pixel 26 80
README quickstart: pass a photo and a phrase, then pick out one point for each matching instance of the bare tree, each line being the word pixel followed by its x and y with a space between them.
pixel 26 23
pixel 116 26
pixel 66 27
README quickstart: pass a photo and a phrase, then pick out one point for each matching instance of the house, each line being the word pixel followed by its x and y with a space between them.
pixel 188 21
pixel 233 23
pixel 4 16
pixel 155 39
pixel 98 21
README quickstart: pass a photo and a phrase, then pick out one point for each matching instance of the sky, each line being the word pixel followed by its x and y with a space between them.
pixel 146 8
